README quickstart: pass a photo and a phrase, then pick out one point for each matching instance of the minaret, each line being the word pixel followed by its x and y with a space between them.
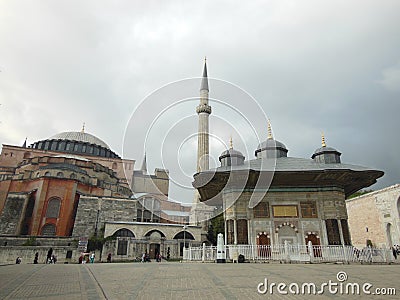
pixel 204 111
pixel 201 212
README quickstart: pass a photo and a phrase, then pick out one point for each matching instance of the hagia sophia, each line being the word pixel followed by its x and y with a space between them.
pixel 72 186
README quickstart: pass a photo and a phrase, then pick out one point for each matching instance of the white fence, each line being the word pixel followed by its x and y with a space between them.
pixel 292 253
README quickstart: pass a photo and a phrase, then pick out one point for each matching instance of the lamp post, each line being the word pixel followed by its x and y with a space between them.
pixel 184 236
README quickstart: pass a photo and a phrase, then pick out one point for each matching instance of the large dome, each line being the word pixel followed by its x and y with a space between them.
pixel 79 137
pixel 77 143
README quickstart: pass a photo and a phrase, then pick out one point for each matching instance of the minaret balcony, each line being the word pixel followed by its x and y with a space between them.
pixel 203 108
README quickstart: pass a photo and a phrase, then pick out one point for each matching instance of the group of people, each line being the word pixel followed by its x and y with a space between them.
pixel 86 258
pixel 146 257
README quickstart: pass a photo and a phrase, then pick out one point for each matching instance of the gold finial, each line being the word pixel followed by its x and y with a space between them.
pixel 269 130
pixel 323 140
pixel 83 127
pixel 231 143
pixel 205 58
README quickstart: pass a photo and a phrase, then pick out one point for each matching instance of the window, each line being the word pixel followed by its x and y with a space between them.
pixel 229 230
pixel 261 210
pixel 122 247
pixel 282 211
pixel 242 232
pixel 49 230
pixel 308 209
pixel 53 208
pixel 72 176
pixel 84 148
pixel 332 230
pixel 61 146
pixel 60 174
pixel 54 145
pixel 124 233
pixel 114 166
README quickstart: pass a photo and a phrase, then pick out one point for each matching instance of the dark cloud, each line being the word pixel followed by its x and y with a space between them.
pixel 312 67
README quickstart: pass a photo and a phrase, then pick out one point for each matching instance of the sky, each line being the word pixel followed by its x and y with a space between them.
pixel 130 70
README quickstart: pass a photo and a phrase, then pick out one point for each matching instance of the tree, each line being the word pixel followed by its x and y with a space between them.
pixel 217 225
pixel 359 193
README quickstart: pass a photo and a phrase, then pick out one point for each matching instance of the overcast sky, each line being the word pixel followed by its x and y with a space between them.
pixel 312 66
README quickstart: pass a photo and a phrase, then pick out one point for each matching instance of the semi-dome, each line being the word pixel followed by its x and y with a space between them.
pixel 78 143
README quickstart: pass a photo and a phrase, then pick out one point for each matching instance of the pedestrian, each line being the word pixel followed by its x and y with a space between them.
pixel 54 258
pixel 49 256
pixel 394 250
pixel 18 260
pixel 35 261
pixel 92 258
pixel 80 260
pixel 143 257
pixel 109 257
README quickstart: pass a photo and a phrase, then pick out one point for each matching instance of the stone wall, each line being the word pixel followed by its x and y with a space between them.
pixel 375 216
pixel 93 212
pixel 8 254
pixel 10 217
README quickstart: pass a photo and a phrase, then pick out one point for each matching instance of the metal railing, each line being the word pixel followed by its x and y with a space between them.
pixel 292 253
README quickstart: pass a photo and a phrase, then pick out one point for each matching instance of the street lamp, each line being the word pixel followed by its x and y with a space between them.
pixel 184 236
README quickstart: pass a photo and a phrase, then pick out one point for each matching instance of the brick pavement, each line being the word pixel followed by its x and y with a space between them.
pixel 181 280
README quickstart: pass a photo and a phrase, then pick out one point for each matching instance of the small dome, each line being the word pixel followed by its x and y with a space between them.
pixel 271 149
pixel 326 155
pixel 231 157
pixel 79 137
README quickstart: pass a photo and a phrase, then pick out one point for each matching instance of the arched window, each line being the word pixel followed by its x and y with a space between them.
pixel 53 208
pixel 49 230
pixel 72 176
pixel 60 174
pixel 47 174
pixel 183 235
pixel 124 233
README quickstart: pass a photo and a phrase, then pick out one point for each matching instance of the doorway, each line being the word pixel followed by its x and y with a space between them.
pixel 315 241
pixel 154 250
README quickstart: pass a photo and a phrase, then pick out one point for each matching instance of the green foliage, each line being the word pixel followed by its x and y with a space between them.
pixel 31 242
pixel 217 225
pixel 96 242
pixel 359 193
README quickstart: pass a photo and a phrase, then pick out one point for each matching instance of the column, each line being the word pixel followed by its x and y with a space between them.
pixel 340 231
pixel 235 231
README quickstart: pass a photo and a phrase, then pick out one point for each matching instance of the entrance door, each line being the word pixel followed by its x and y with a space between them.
pixel 316 243
pixel 154 250
pixel 264 242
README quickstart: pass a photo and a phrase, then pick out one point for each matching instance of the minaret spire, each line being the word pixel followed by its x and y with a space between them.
pixel 24 145
pixel 230 143
pixel 204 80
pixel 323 140
pixel 269 130
pixel 144 164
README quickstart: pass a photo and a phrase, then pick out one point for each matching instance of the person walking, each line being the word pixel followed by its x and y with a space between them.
pixel 109 257
pixel 18 260
pixel 92 258
pixel 394 251
pixel 35 260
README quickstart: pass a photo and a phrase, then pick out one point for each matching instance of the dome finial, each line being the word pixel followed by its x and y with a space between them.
pixel 83 127
pixel 323 140
pixel 230 143
pixel 269 130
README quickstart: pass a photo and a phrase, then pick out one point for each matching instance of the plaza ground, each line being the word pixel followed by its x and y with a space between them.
pixel 183 280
